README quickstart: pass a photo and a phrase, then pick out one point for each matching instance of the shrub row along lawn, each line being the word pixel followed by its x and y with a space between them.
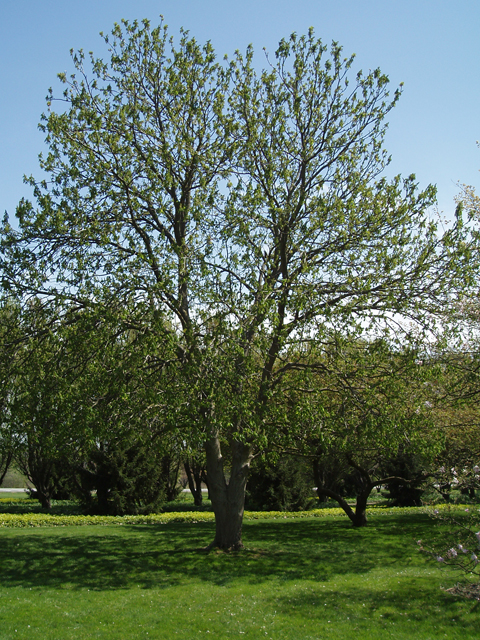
pixel 299 578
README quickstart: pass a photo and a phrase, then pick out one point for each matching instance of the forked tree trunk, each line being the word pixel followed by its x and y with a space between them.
pixel 358 517
pixel 194 477
pixel 228 498
pixel 40 473
pixel 322 491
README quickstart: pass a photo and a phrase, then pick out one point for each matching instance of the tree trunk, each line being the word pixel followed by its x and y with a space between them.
pixel 445 491
pixel 321 491
pixel 194 478
pixel 228 498
pixel 360 516
pixel 170 470
pixel 45 500
pixel 43 490
pixel 39 472
pixel 4 465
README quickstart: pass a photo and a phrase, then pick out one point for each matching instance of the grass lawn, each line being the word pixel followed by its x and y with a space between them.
pixel 298 579
pixel 13 495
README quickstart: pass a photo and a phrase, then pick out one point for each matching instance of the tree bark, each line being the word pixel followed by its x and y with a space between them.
pixel 170 469
pixel 322 491
pixel 360 516
pixel 45 500
pixel 39 472
pixel 228 498
pixel 194 477
pixel 4 465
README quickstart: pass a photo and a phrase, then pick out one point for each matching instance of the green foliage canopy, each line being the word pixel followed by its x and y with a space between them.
pixel 245 210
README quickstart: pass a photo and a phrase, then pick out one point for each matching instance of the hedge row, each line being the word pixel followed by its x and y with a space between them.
pixel 47 520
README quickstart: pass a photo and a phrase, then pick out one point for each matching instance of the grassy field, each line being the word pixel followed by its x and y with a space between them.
pixel 297 579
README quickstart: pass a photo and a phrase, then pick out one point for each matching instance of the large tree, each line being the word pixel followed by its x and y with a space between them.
pixel 246 209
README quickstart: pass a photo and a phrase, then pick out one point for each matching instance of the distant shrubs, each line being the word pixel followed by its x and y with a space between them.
pixel 408 491
pixel 284 484
pixel 118 480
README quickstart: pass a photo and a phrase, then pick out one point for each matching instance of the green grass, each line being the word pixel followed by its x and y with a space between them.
pixel 298 579
pixel 14 495
pixel 14 478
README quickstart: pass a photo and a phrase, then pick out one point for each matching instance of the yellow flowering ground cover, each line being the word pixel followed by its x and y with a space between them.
pixel 48 520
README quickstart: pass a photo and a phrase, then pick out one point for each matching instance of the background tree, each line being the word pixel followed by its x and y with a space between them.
pixel 8 327
pixel 363 407
pixel 86 410
pixel 468 199
pixel 307 237
pixel 129 455
pixel 39 411
pixel 195 466
pixel 455 389
pixel 6 455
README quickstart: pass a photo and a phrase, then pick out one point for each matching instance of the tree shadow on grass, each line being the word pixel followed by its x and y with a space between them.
pixel 118 557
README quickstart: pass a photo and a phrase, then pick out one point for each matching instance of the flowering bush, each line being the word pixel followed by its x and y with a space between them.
pixel 459 547
pixel 465 479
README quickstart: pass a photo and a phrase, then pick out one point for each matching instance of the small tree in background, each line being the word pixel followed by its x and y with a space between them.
pixel 365 404
pixel 195 465
pixel 9 314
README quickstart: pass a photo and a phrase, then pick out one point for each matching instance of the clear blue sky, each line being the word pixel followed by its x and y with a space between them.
pixel 433 46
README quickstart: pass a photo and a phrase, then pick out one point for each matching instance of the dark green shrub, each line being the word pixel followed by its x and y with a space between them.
pixel 118 480
pixel 407 492
pixel 283 485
